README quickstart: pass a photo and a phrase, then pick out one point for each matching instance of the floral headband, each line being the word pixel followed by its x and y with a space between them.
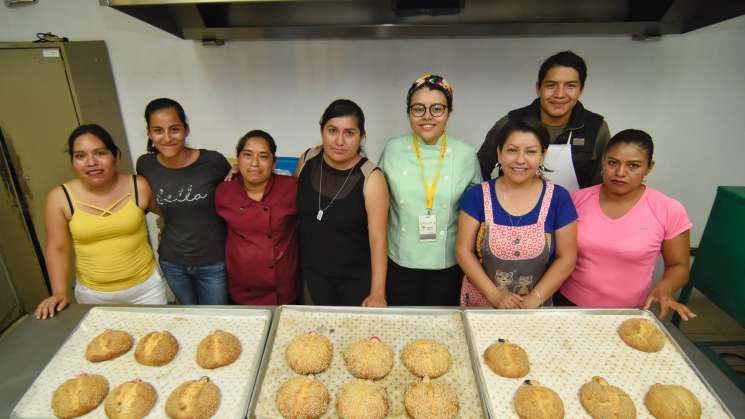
pixel 432 81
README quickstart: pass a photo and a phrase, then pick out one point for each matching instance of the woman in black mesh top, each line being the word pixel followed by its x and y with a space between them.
pixel 343 208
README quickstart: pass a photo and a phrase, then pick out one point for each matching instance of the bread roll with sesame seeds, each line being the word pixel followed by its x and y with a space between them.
pixel 309 353
pixel 361 399
pixel 80 395
pixel 195 399
pixel 641 335
pixel 428 399
pixel 369 358
pixel 156 349
pixel 131 400
pixel 604 401
pixel 302 398
pixel 426 358
pixel 672 402
pixel 507 359
pixel 218 350
pixel 535 401
pixel 109 345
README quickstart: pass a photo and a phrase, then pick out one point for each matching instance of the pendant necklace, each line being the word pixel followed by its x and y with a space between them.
pixel 319 215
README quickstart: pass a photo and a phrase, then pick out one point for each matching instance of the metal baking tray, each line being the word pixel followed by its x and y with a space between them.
pixel 567 347
pixel 343 325
pixel 189 326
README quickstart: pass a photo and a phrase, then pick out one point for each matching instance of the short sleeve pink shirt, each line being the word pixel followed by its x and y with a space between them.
pixel 615 258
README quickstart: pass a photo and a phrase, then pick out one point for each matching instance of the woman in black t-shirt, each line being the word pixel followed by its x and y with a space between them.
pixel 343 208
pixel 183 179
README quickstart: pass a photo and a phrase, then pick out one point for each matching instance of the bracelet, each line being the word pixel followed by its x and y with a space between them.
pixel 540 299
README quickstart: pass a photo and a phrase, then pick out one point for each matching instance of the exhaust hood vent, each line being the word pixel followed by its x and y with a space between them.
pixel 214 21
pixel 425 7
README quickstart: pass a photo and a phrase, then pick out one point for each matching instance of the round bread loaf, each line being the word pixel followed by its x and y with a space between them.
pixel 360 399
pixel 534 401
pixel 507 359
pixel 195 399
pixel 369 358
pixel 604 401
pixel 156 349
pixel 80 395
pixel 426 358
pixel 428 399
pixel 108 345
pixel 131 400
pixel 642 335
pixel 302 398
pixel 309 353
pixel 672 402
pixel 218 349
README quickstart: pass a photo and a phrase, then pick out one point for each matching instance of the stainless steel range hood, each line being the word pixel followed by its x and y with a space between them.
pixel 216 21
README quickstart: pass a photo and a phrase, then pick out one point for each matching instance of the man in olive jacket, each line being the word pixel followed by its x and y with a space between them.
pixel 561 81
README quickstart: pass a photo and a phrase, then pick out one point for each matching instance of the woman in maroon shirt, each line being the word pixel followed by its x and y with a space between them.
pixel 260 210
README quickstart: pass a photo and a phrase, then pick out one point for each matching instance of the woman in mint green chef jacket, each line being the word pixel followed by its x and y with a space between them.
pixel 427 172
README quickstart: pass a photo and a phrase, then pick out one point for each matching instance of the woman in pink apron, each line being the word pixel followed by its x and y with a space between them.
pixel 517 234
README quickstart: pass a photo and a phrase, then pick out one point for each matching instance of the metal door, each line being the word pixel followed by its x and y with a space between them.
pixel 16 245
pixel 36 114
pixel 35 108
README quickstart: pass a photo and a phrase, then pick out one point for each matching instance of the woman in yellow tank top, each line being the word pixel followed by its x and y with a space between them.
pixel 101 214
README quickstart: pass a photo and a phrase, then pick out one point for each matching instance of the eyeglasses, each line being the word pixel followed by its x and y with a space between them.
pixel 435 109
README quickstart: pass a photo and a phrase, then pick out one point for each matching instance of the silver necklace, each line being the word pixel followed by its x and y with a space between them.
pixel 513 224
pixel 319 215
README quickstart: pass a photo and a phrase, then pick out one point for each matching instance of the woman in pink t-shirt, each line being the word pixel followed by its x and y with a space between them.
pixel 623 226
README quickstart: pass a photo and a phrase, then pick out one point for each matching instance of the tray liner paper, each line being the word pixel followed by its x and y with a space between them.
pixel 393 328
pixel 189 327
pixel 567 350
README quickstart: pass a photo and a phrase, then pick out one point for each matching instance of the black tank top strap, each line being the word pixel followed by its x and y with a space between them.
pixel 69 201
pixel 137 193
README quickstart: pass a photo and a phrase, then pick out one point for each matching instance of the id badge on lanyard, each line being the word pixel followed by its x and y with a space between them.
pixel 428 221
pixel 427 228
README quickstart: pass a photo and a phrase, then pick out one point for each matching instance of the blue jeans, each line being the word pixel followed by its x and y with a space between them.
pixel 206 284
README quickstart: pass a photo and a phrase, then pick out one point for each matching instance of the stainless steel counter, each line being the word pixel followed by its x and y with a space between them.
pixel 28 347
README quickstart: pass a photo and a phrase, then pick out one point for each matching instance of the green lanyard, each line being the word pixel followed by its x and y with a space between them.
pixel 429 191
